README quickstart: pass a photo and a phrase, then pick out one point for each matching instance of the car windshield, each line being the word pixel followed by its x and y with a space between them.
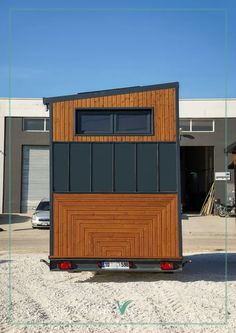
pixel 43 205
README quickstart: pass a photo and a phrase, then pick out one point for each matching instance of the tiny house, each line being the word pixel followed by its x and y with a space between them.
pixel 115 184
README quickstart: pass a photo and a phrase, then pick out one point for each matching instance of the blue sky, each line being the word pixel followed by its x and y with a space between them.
pixel 54 52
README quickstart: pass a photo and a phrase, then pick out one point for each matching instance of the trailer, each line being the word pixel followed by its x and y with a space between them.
pixel 115 180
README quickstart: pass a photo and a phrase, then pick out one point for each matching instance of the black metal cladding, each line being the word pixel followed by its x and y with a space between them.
pixel 167 167
pixel 102 173
pixel 125 165
pixel 61 167
pixel 114 167
pixel 80 167
pixel 147 166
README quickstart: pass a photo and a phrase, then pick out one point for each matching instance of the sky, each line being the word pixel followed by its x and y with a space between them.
pixel 60 47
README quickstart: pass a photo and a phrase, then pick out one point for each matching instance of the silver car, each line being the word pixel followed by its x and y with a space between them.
pixel 41 216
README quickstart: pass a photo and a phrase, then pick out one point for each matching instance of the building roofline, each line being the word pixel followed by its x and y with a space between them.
pixel 209 99
pixel 231 148
pixel 20 98
pixel 110 92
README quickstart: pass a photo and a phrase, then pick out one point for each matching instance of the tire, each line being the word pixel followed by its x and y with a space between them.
pixel 222 212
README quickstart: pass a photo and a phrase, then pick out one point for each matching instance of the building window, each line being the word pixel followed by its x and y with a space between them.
pixel 202 125
pixel 185 125
pixel 47 124
pixel 197 125
pixel 114 122
pixel 94 122
pixel 36 124
pixel 133 122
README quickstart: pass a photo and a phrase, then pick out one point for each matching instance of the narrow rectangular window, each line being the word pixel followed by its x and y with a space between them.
pixel 185 125
pixel 203 125
pixel 129 122
pixel 118 121
pixel 47 124
pixel 94 122
pixel 31 124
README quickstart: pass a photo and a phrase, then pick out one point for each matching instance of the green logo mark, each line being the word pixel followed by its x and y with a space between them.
pixel 123 307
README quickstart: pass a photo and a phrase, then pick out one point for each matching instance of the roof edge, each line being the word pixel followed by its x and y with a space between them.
pixel 231 148
pixel 110 92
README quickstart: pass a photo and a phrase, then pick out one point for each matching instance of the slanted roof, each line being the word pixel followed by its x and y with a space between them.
pixel 110 92
pixel 231 148
pixel 231 165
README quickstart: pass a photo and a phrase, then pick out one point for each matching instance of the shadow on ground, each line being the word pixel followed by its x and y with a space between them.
pixel 13 218
pixel 204 267
pixel 4 261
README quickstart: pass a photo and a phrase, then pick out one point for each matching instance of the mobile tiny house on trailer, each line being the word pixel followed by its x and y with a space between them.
pixel 115 184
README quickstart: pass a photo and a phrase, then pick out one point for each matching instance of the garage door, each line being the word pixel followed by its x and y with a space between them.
pixel 35 176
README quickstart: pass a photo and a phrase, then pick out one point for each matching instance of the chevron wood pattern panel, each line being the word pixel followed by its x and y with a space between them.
pixel 163 101
pixel 115 226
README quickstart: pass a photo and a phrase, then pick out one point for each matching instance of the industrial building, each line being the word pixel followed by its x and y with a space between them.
pixel 207 127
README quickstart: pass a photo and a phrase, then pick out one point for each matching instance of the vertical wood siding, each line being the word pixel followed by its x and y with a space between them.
pixel 115 226
pixel 163 101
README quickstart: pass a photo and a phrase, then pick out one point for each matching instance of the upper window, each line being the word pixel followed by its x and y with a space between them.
pixel 36 124
pixel 202 125
pixel 185 125
pixel 93 122
pixel 197 125
pixel 113 122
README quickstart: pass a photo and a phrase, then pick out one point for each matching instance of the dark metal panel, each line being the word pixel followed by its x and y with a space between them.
pixel 60 167
pixel 167 167
pixel 14 140
pixel 80 167
pixel 51 179
pixel 178 171
pixel 102 167
pixel 147 167
pixel 125 166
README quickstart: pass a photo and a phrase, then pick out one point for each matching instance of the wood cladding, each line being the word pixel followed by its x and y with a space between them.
pixel 163 101
pixel 115 226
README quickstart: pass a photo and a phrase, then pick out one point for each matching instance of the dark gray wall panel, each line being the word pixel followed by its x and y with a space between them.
pixel 15 139
pixel 125 175
pixel 61 167
pixel 167 171
pixel 80 167
pixel 224 135
pixel 147 167
pixel 102 173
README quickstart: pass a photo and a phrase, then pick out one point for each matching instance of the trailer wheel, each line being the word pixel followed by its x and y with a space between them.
pixel 222 212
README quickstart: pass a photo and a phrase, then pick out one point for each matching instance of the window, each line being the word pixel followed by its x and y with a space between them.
pixel 47 124
pixel 94 122
pixel 185 125
pixel 202 125
pixel 36 124
pixel 197 125
pixel 114 122
pixel 132 122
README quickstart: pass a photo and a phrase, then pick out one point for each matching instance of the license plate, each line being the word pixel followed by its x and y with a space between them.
pixel 45 224
pixel 115 265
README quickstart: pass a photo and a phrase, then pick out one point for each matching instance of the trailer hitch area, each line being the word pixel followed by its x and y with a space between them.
pixel 187 262
pixel 45 262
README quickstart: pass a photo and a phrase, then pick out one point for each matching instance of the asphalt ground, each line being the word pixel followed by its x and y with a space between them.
pixel 200 233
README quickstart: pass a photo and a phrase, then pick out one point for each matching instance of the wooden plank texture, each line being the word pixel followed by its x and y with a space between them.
pixel 115 226
pixel 163 101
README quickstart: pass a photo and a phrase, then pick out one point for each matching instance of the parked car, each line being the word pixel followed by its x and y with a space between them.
pixel 41 216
